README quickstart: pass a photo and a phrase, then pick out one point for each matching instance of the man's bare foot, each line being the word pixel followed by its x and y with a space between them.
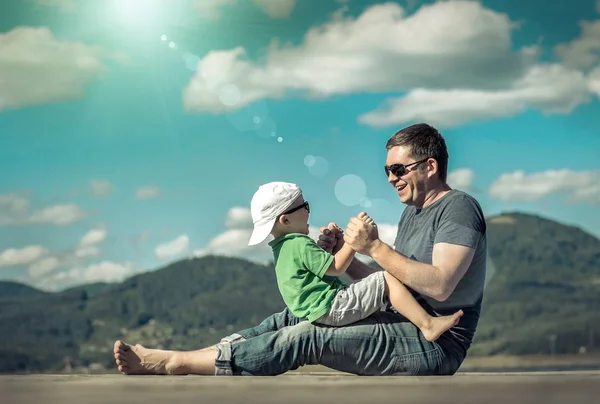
pixel 440 325
pixel 137 360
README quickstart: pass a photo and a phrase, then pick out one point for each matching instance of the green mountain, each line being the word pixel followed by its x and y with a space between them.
pixel 542 297
pixel 14 290
pixel 187 304
pixel 544 293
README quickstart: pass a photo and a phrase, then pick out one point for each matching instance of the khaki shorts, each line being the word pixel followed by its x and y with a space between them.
pixel 356 301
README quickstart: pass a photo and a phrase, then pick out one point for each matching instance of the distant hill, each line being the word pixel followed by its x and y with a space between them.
pixel 182 306
pixel 546 282
pixel 544 294
pixel 14 290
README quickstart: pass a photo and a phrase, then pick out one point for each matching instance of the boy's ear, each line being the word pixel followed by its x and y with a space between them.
pixel 283 219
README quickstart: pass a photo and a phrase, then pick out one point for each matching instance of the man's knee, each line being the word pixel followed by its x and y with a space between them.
pixel 292 334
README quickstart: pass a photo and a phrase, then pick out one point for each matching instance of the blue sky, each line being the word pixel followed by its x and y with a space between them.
pixel 134 136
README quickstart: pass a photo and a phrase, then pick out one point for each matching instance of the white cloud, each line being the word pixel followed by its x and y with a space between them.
pixel 211 9
pixel 387 233
pixel 43 266
pixel 87 251
pixel 100 188
pixel 239 218
pixel 38 68
pixel 576 186
pixel 461 178
pixel 88 245
pixel 594 81
pixel 276 8
pixel 147 192
pixel 173 248
pixel 59 215
pixel 13 209
pixel 234 243
pixel 21 256
pixel 450 44
pixel 46 268
pixel 582 52
pixel 553 89
pixel 94 236
pixel 104 271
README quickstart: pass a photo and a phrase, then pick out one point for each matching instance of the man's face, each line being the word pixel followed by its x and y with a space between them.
pixel 412 185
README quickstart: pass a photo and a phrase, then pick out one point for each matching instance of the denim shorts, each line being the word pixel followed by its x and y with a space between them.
pixel 356 301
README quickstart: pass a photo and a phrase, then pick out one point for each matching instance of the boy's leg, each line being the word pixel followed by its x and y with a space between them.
pixel 405 303
pixel 357 301
pixel 272 323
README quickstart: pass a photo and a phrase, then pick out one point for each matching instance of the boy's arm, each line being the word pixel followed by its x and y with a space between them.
pixel 341 261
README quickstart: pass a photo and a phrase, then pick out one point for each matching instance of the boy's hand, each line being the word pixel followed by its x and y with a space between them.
pixel 331 238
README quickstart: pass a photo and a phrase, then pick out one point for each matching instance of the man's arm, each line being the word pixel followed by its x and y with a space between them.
pixel 358 269
pixel 458 235
pixel 438 280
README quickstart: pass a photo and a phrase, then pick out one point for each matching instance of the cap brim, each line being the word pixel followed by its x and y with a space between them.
pixel 261 232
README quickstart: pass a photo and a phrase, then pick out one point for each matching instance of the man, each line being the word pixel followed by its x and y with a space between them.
pixel 439 253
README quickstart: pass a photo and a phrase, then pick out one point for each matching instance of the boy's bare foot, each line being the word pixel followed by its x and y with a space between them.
pixel 440 325
pixel 137 360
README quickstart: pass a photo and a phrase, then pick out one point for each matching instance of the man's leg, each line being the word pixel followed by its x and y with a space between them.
pixel 272 323
pixel 136 359
pixel 379 345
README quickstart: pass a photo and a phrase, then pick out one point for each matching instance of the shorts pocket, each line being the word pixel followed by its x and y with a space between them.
pixel 343 311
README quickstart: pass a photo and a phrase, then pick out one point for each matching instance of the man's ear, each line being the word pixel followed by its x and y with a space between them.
pixel 432 167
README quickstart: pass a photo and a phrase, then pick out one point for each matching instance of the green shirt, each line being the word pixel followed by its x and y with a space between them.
pixel 300 266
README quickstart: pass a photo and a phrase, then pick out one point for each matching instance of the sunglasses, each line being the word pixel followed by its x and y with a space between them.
pixel 305 205
pixel 400 169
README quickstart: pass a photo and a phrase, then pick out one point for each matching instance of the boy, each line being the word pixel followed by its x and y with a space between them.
pixel 307 275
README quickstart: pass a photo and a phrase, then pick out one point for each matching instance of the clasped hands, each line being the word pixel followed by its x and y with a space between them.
pixel 361 235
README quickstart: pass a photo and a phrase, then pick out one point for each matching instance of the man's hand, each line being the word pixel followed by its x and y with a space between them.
pixel 362 234
pixel 331 238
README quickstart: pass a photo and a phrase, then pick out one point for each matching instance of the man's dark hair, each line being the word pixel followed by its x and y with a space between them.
pixel 424 142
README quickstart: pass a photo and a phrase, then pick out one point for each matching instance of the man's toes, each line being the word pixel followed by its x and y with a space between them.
pixel 117 346
pixel 120 346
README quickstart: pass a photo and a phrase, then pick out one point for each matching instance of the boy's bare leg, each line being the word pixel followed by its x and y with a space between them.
pixel 137 360
pixel 404 302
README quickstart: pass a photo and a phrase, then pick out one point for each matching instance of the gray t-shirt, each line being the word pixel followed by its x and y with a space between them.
pixel 456 218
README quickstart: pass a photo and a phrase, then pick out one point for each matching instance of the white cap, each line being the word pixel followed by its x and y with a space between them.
pixel 270 201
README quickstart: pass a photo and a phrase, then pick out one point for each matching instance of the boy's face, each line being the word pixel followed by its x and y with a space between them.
pixel 295 220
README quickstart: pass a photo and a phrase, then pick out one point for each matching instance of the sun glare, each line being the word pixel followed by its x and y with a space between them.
pixel 136 12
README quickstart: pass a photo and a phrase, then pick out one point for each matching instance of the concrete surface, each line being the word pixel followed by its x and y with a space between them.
pixel 306 388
